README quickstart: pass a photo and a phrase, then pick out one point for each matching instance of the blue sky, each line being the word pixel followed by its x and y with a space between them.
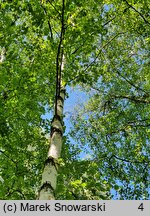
pixel 77 97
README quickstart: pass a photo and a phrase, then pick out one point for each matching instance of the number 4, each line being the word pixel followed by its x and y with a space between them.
pixel 141 207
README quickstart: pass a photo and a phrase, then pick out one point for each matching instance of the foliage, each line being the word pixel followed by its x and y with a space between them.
pixel 114 124
pixel 85 181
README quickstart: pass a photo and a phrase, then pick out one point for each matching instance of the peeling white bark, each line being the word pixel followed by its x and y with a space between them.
pixel 2 55
pixel 56 145
pixel 49 176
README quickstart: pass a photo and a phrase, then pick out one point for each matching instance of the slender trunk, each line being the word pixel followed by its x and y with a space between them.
pixel 49 177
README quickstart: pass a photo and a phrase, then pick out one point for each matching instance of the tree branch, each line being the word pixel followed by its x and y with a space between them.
pixel 100 51
pixel 132 98
pixel 49 24
pixel 8 157
pixel 109 21
pixel 59 57
pixel 84 41
pixel 55 8
pixel 141 15
pixel 130 82
pixel 128 161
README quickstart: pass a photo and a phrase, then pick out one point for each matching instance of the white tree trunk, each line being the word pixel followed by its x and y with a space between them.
pixel 49 176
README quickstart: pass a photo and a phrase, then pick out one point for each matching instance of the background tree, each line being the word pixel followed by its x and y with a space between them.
pixel 114 124
pixel 51 44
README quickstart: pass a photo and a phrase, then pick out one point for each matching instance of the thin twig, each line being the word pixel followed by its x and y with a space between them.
pixel 49 24
pixel 129 161
pixel 55 8
pixel 8 157
pixel 100 51
pixel 132 98
pixel 130 82
pixel 85 39
pixel 137 12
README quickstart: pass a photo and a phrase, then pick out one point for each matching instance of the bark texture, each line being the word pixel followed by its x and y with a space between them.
pixel 49 177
